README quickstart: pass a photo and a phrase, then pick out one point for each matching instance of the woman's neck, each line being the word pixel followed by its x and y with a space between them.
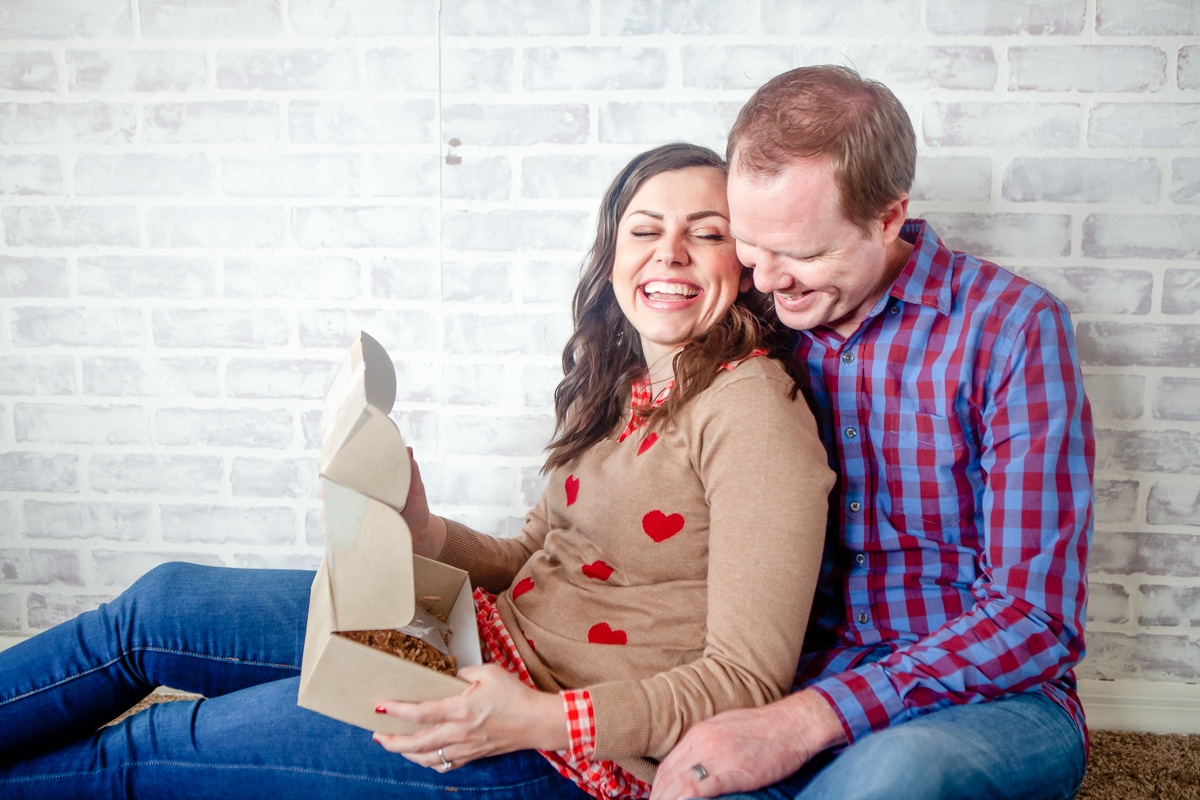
pixel 660 368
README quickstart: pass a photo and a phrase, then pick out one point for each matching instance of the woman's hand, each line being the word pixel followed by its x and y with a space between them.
pixel 428 530
pixel 496 714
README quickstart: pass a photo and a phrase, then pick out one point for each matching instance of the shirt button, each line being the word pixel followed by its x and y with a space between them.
pixel 862 618
pixel 860 558
pixel 848 358
pixel 895 309
pixel 851 433
pixel 855 506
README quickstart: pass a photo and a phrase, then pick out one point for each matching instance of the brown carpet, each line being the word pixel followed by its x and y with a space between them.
pixel 1123 766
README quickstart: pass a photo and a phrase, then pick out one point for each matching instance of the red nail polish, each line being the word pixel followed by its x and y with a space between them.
pixel 380 710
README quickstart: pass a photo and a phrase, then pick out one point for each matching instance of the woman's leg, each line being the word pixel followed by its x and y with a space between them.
pixel 257 743
pixel 208 630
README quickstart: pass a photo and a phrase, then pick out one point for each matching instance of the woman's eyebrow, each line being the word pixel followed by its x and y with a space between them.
pixel 690 217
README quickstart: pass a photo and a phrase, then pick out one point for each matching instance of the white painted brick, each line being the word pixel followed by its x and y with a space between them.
pixel 1120 344
pixel 30 566
pixel 479 384
pixel 1141 236
pixel 47 610
pixel 1006 17
pixel 238 328
pixel 1185 180
pixel 37 472
pixel 477 69
pixel 488 282
pixel 216 226
pixel 140 474
pixel 47 124
pixel 363 18
pixel 651 122
pixel 418 380
pixel 400 331
pixel 33 276
pixel 594 68
pixel 364 226
pixel 1005 235
pixel 1095 290
pixel 10 612
pixel 989 124
pixel 473 484
pixel 136 70
pixel 146 276
pixel 37 375
pixel 1147 17
pixel 120 568
pixel 223 427
pixel 490 231
pixel 533 484
pixel 420 429
pixel 1168 605
pixel 402 69
pixel 283 560
pixel 904 69
pixel 1140 657
pixel 404 279
pixel 212 122
pixel 258 378
pixel 361 121
pixel 75 424
pixel 570 176
pixel 64 19
pixel 298 277
pixel 1178 399
pixel 1181 291
pixel 144 174
pixel 478 178
pixel 207 525
pixel 537 385
pixel 77 326
pixel 742 66
pixel 1107 602
pixel 498 124
pixel 310 426
pixel 529 18
pixel 1149 553
pixel 404 174
pixel 1145 125
pixel 551 282
pixel 1116 397
pixel 287 70
pixel 1188 69
pixel 505 333
pixel 694 17
pixel 65 226
pixel 260 477
pixel 30 175
pixel 489 435
pixel 1082 180
pixel 1174 504
pixel 118 522
pixel 303 175
pixel 145 376
pixel 952 179
pixel 846 18
pixel 28 71
pixel 212 19
pixel 1087 68
pixel 1116 501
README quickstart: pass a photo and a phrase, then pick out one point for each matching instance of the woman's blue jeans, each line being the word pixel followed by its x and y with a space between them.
pixel 234 636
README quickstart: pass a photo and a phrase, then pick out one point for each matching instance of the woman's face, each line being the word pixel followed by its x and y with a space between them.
pixel 676 273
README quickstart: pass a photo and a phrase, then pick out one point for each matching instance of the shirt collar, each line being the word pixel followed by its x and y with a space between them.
pixel 926 278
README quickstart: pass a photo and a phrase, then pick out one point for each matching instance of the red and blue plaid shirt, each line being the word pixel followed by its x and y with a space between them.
pixel 955 566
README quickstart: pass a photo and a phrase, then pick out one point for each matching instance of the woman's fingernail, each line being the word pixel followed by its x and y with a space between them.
pixel 380 710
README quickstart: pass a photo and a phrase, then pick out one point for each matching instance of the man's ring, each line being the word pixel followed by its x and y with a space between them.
pixel 446 765
pixel 701 772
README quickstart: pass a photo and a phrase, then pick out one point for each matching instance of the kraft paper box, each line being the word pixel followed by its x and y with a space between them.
pixel 369 578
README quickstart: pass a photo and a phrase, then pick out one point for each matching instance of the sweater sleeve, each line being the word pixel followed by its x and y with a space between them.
pixel 766 481
pixel 492 562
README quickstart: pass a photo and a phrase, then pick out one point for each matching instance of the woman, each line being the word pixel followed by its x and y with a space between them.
pixel 665 575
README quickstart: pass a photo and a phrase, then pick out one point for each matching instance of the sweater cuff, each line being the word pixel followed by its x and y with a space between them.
pixel 461 548
pixel 622 721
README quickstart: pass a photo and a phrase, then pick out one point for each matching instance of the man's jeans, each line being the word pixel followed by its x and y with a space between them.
pixel 1021 748
pixel 236 637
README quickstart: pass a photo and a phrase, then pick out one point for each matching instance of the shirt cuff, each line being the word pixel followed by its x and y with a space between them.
pixel 863 698
pixel 581 723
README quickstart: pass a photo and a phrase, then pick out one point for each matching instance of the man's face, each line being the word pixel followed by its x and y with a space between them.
pixel 820 267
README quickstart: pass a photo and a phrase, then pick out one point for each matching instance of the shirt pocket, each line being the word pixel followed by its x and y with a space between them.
pixel 926 489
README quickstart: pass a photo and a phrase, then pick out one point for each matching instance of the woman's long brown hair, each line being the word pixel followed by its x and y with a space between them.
pixel 604 356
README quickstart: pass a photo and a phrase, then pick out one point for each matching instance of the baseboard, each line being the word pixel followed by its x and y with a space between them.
pixel 1148 706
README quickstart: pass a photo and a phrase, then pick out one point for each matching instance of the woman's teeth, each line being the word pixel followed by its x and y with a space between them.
pixel 662 288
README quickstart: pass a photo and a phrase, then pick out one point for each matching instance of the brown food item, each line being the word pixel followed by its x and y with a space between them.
pixel 410 648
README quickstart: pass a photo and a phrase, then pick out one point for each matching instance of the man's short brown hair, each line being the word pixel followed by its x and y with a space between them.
pixel 830 112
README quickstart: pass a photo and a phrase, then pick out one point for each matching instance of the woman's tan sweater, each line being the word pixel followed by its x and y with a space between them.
pixel 672 573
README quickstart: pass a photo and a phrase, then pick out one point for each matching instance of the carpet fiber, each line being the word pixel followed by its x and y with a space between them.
pixel 1123 766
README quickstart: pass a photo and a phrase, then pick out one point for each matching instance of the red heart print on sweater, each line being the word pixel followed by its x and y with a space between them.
pixel 598 570
pixel 572 487
pixel 660 527
pixel 522 586
pixel 601 633
pixel 650 439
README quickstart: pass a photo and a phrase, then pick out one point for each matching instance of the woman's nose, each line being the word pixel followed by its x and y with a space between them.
pixel 671 250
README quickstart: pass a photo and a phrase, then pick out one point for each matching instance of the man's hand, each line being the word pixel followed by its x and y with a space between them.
pixel 746 749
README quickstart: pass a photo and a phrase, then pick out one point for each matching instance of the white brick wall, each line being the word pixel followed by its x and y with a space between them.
pixel 202 200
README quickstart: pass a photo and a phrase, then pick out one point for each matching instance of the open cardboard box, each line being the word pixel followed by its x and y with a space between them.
pixel 369 578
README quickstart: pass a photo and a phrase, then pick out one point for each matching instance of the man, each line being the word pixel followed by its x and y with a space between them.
pixel 950 612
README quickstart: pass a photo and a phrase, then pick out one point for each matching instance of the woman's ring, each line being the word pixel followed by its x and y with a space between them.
pixel 701 772
pixel 446 765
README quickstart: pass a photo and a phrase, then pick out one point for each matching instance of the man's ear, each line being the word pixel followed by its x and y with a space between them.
pixel 894 214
